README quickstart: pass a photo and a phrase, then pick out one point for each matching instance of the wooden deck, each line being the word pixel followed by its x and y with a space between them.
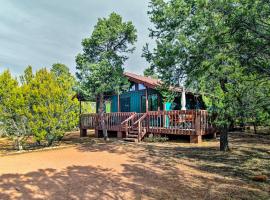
pixel 194 123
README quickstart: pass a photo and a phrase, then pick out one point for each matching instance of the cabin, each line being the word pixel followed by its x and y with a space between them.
pixel 142 110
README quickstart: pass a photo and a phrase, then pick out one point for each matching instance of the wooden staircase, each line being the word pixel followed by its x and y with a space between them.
pixel 132 136
pixel 134 130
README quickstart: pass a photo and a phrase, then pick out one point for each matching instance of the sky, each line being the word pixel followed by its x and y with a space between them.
pixel 42 32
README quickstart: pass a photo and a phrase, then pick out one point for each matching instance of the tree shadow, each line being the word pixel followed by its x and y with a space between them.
pixel 75 182
pixel 151 172
pixel 234 164
pixel 136 181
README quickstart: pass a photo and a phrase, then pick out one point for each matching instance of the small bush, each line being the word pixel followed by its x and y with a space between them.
pixel 156 138
pixel 2 130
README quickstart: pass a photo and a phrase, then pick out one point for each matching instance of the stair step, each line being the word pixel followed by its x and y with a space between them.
pixel 132 136
pixel 135 132
pixel 131 139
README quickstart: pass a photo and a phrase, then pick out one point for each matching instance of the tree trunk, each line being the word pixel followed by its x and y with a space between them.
pixel 255 127
pixel 18 144
pixel 101 117
pixel 224 143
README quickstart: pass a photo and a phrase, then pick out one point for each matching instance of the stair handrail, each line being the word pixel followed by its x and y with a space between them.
pixel 129 118
pixel 139 122
pixel 140 119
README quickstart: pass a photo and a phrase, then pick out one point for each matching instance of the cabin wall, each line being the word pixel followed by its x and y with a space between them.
pixel 135 99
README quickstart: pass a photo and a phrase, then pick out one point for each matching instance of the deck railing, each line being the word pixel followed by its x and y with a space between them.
pixel 88 121
pixel 180 122
pixel 174 122
pixel 112 120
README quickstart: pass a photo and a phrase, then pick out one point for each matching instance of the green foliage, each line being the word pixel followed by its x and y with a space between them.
pixel 167 94
pixel 211 45
pixel 88 107
pixel 156 138
pixel 41 105
pixel 150 72
pixel 52 110
pixel 12 110
pixel 221 49
pixel 100 66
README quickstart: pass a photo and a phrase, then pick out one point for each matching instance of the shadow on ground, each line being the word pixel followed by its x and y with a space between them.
pixel 153 171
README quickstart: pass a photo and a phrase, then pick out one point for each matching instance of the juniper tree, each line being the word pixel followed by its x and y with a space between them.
pixel 209 44
pixel 100 65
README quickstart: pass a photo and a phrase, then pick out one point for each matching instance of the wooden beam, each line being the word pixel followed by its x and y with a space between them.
pixel 118 102
pixel 146 99
pixel 80 107
pixel 195 139
pixel 83 132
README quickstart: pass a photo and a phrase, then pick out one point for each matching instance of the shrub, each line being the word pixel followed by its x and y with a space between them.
pixel 40 105
pixel 156 138
pixel 17 129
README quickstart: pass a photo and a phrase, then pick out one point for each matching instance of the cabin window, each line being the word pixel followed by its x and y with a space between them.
pixel 132 87
pixel 152 103
pixel 141 87
pixel 125 104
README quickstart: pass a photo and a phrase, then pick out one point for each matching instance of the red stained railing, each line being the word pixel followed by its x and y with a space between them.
pixel 179 122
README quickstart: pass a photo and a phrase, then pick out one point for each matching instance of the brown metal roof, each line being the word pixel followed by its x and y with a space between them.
pixel 148 81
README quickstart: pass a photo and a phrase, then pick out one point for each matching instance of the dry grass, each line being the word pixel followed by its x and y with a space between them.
pixel 6 145
pixel 93 169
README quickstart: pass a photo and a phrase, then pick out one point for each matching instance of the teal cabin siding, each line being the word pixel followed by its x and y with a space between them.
pixel 135 99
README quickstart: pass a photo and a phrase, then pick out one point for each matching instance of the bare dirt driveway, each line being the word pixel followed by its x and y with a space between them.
pixel 118 170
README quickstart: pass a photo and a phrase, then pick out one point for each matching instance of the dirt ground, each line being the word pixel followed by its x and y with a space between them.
pixel 92 169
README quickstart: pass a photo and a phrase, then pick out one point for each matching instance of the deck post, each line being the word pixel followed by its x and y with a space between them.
pixel 96 133
pixel 146 99
pixel 80 107
pixel 119 134
pixel 118 102
pixel 197 123
pixel 83 132
pixel 195 139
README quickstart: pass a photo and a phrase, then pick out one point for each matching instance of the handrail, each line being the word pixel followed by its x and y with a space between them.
pixel 139 120
pixel 126 120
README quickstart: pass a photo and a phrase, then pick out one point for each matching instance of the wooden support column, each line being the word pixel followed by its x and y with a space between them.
pixel 80 107
pixel 119 134
pixel 96 133
pixel 118 102
pixel 195 139
pixel 83 132
pixel 146 99
pixel 197 123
